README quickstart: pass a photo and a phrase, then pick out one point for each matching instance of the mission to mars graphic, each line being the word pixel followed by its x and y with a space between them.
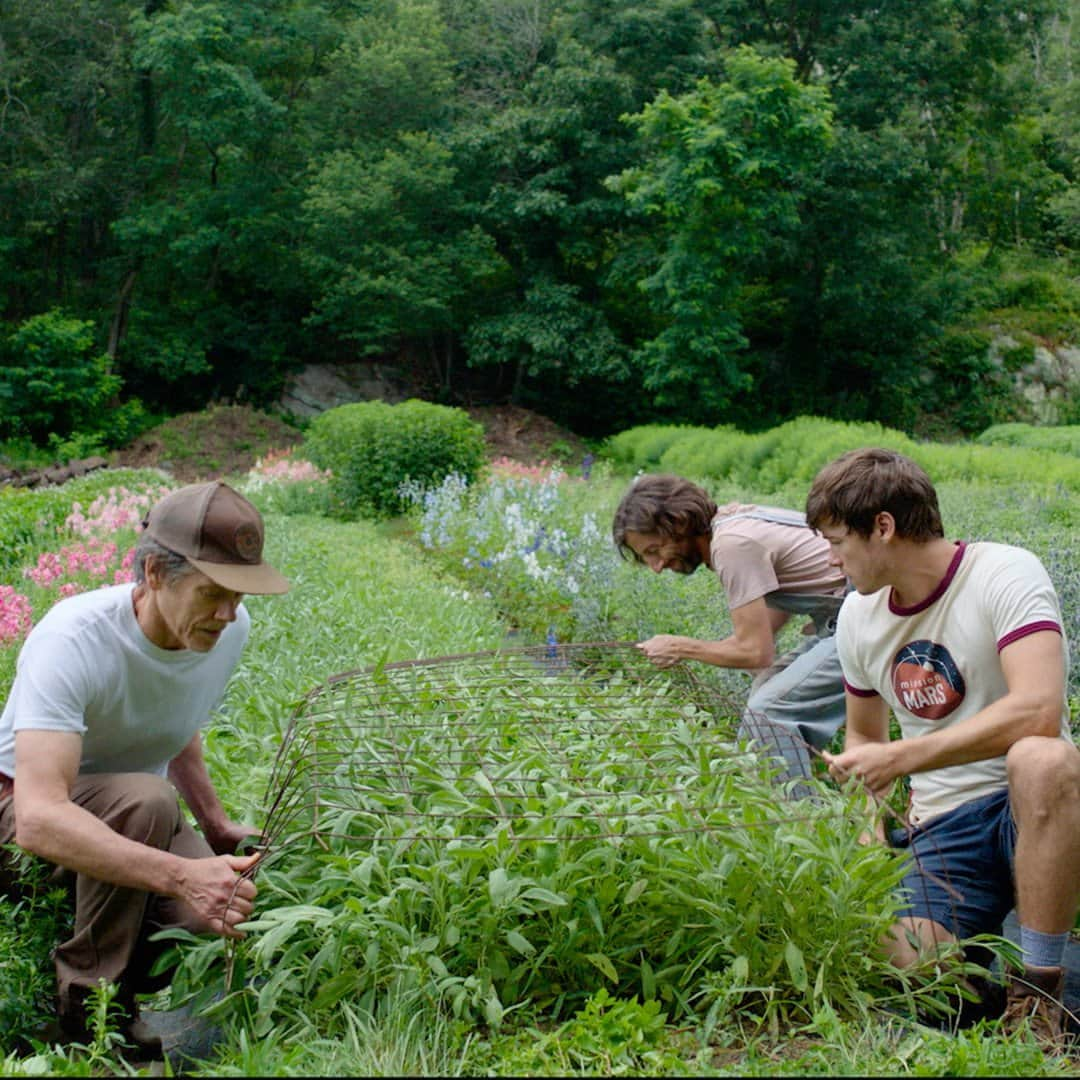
pixel 927 680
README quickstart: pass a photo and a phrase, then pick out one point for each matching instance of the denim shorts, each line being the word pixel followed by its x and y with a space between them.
pixel 961 866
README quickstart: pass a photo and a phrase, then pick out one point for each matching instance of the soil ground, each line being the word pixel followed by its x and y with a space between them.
pixel 224 440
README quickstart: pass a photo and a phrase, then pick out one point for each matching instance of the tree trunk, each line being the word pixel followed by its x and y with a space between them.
pixel 449 364
pixel 519 378
pixel 118 327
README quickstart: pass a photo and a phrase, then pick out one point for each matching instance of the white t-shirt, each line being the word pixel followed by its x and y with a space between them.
pixel 938 663
pixel 87 667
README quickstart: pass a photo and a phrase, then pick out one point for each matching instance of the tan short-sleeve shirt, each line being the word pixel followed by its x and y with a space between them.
pixel 754 557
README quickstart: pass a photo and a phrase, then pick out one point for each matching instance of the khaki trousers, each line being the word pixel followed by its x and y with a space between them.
pixel 112 924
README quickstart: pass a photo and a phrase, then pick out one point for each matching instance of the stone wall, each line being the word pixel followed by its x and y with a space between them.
pixel 319 387
pixel 55 474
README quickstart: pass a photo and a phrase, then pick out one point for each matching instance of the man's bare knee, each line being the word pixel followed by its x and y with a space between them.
pixel 1043 773
pixel 912 940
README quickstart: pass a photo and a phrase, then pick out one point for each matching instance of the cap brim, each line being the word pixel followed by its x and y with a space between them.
pixel 257 580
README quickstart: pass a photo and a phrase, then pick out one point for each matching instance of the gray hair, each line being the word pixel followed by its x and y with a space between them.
pixel 173 567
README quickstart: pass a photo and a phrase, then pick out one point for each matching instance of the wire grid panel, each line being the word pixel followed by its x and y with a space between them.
pixel 537 744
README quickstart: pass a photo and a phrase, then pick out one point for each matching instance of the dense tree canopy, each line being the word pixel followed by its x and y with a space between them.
pixel 613 210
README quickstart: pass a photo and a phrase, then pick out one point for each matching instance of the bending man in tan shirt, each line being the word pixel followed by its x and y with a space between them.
pixel 771 566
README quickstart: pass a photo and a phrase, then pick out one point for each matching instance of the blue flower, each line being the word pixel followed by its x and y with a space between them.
pixel 535 545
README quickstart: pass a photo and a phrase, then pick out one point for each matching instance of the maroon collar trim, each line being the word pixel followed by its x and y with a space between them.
pixel 942 585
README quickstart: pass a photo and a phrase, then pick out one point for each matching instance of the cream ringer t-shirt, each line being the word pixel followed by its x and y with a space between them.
pixel 937 663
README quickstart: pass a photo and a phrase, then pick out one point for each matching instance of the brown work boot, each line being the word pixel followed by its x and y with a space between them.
pixel 146 1043
pixel 1034 1000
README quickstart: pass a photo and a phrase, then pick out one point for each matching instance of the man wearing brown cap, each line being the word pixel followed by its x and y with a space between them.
pixel 102 728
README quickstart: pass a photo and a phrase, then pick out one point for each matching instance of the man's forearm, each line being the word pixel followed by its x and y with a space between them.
pixel 71 837
pixel 988 734
pixel 189 774
pixel 729 652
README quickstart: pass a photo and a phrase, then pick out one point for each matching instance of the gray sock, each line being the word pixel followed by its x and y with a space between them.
pixel 1042 950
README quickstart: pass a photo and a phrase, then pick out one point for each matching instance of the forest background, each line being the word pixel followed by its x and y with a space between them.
pixel 610 211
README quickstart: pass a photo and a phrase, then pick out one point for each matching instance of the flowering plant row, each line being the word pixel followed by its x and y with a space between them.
pixel 528 536
pixel 91 541
pixel 281 483
pixel 101 553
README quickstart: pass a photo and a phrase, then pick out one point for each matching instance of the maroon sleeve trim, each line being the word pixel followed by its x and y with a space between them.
pixel 1031 628
pixel 857 692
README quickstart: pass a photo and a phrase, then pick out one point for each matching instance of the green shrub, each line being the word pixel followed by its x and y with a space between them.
pixel 51 380
pixel 644 446
pixel 372 448
pixel 1060 440
pixel 22 454
pixel 788 458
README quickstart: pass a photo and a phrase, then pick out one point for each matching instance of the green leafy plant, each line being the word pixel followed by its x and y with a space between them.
pixel 30 927
pixel 609 1036
pixel 373 448
pixel 488 868
pixel 52 380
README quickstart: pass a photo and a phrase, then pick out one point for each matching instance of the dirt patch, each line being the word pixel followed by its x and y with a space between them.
pixel 224 440
pixel 219 441
pixel 526 436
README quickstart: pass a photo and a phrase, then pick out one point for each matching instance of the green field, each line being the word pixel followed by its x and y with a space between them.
pixel 485 869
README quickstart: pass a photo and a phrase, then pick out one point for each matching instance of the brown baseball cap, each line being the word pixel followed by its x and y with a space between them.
pixel 219 532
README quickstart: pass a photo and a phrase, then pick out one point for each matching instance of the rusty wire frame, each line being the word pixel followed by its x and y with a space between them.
pixel 509 734
pixel 505 741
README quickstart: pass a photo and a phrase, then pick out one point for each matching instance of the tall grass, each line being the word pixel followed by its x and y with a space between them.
pixel 791 455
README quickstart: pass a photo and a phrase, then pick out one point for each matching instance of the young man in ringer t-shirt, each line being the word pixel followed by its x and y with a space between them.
pixel 964 643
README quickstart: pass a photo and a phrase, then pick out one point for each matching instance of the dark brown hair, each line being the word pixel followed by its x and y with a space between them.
pixel 669 505
pixel 858 485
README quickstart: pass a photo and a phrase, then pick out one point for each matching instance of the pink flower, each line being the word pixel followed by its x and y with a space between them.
pixel 118 509
pixel 505 466
pixel 92 559
pixel 15 614
pixel 125 573
pixel 281 466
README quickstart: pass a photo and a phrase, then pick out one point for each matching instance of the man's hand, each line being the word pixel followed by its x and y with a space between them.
pixel 215 891
pixel 225 839
pixel 872 763
pixel 663 650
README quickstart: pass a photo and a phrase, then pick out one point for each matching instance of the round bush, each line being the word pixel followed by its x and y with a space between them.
pixel 52 380
pixel 372 448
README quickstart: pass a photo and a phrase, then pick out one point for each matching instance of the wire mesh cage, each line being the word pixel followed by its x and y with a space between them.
pixel 509 826
pixel 530 744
